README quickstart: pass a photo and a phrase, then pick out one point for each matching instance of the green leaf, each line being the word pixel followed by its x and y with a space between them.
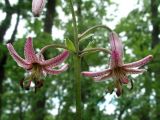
pixel 90 45
pixel 70 45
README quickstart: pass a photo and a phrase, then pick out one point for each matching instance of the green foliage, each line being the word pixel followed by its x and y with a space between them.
pixel 70 45
pixel 91 44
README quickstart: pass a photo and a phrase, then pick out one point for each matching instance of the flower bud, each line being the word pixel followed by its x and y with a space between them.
pixel 37 6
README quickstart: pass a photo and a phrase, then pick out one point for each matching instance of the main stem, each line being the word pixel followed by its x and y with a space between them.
pixel 77 67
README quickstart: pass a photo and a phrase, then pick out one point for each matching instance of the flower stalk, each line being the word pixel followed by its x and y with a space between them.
pixel 54 46
pixel 88 31
pixel 94 50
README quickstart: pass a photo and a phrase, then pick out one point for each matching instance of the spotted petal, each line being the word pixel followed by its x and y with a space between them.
pixel 96 74
pixel 20 61
pixel 55 72
pixel 29 51
pixel 134 71
pixel 139 63
pixel 116 50
pixel 56 60
pixel 102 78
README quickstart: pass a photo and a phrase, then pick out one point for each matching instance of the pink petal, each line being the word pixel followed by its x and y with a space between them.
pixel 116 50
pixel 29 51
pixel 102 78
pixel 40 57
pixel 139 63
pixel 55 72
pixel 96 74
pixel 56 60
pixel 37 6
pixel 134 71
pixel 20 61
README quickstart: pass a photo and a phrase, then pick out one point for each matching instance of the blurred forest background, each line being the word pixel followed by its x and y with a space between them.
pixel 139 31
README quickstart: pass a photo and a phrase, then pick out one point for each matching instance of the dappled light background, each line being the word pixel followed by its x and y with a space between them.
pixel 136 21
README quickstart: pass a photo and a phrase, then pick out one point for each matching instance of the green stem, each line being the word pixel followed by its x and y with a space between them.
pixel 92 29
pixel 54 46
pixel 94 50
pixel 76 42
pixel 97 49
pixel 77 67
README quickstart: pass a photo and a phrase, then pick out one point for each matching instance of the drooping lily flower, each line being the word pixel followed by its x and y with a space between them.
pixel 37 7
pixel 117 69
pixel 36 65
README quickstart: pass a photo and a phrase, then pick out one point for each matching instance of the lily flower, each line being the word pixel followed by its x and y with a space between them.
pixel 36 64
pixel 38 6
pixel 117 69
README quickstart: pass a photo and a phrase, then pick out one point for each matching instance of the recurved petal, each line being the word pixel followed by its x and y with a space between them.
pixel 40 57
pixel 116 43
pixel 134 71
pixel 139 63
pixel 55 72
pixel 29 51
pixel 20 61
pixel 53 62
pixel 102 78
pixel 116 50
pixel 96 74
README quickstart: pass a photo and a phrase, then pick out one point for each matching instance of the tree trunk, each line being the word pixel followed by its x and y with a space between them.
pixel 6 22
pixel 155 41
pixel 3 28
pixel 2 75
pixel 155 22
pixel 48 22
